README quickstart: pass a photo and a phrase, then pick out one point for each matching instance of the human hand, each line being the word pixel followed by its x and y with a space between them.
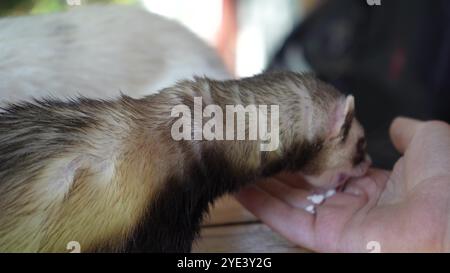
pixel 407 209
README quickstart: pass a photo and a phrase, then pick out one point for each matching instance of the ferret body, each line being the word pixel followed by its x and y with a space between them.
pixel 109 175
pixel 98 52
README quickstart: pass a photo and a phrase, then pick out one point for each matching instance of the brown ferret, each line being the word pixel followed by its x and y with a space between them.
pixel 111 176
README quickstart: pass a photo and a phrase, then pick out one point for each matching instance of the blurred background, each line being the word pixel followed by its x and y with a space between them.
pixel 394 57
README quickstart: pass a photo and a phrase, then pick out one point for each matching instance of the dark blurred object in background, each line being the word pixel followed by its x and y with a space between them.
pixel 395 59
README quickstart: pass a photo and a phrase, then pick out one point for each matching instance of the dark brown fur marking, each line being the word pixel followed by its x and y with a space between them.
pixel 173 220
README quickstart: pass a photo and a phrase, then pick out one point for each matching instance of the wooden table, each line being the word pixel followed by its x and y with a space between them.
pixel 231 228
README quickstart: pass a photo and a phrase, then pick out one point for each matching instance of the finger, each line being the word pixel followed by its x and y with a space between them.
pixel 368 189
pixel 295 197
pixel 359 191
pixel 294 224
pixel 402 131
pixel 372 184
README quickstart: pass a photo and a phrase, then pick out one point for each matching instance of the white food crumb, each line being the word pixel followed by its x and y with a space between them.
pixel 330 193
pixel 316 198
pixel 310 209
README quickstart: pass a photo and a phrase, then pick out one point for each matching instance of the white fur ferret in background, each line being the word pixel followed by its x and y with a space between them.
pixel 98 52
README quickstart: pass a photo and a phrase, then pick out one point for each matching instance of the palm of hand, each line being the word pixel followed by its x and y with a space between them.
pixel 403 210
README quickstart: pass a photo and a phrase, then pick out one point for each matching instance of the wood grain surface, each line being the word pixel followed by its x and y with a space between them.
pixel 231 228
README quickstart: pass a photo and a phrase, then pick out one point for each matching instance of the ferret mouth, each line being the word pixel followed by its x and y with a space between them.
pixel 337 179
pixel 341 178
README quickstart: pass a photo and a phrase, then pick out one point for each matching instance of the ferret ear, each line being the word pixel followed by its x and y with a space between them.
pixel 342 117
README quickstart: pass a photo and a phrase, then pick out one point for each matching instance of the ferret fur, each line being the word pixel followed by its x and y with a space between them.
pixel 107 173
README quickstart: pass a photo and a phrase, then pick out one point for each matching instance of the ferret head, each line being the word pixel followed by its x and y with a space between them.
pixel 342 154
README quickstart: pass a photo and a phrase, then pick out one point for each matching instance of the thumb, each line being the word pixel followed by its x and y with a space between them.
pixel 402 131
